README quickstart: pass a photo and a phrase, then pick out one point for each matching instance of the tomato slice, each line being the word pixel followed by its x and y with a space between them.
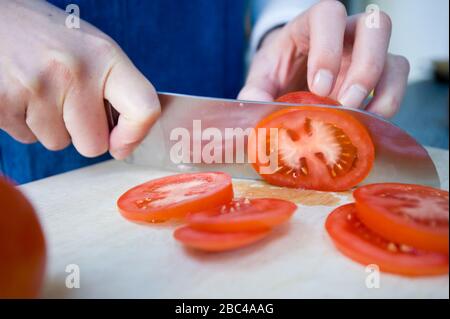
pixel 305 97
pixel 243 214
pixel 412 214
pixel 175 196
pixel 215 242
pixel 361 244
pixel 317 148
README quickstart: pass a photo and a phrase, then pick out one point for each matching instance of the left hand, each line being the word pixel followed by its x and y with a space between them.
pixel 333 55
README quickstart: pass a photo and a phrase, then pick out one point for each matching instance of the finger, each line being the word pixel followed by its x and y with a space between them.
pixel 368 60
pixel 259 85
pixel 135 98
pixel 85 119
pixel 326 24
pixel 315 36
pixel 14 124
pixel 390 90
pixel 46 122
pixel 12 113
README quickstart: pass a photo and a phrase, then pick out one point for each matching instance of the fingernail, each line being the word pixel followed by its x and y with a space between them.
pixel 354 96
pixel 323 82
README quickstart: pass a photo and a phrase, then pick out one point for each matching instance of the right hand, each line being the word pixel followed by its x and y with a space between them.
pixel 53 82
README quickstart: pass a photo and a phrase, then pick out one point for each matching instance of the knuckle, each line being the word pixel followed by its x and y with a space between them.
pixel 105 46
pixel 373 65
pixel 370 68
pixel 329 53
pixel 63 67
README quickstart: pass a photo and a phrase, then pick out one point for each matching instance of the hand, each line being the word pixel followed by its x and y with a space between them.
pixel 53 82
pixel 333 55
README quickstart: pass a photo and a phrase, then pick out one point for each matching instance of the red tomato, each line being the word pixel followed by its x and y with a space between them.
pixel 317 148
pixel 175 196
pixel 305 97
pixel 243 215
pixel 411 214
pixel 361 244
pixel 215 242
pixel 22 246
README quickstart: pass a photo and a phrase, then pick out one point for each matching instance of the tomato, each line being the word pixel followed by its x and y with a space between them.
pixel 22 246
pixel 215 242
pixel 361 244
pixel 243 215
pixel 175 196
pixel 316 148
pixel 412 214
pixel 305 97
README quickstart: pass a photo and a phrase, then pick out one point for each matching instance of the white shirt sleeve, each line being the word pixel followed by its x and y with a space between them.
pixel 273 14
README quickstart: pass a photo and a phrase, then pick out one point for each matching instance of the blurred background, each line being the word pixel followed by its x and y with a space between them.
pixel 421 33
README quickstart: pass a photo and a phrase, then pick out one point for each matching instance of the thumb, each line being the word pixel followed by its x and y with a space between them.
pixel 135 98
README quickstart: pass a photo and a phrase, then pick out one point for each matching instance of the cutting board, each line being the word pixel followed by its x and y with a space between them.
pixel 117 258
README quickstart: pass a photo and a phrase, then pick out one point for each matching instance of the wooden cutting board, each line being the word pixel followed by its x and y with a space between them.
pixel 120 259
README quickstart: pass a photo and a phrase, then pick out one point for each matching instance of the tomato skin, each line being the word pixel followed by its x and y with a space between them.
pixel 351 241
pixel 374 214
pixel 22 246
pixel 353 128
pixel 219 192
pixel 217 242
pixel 246 215
pixel 306 97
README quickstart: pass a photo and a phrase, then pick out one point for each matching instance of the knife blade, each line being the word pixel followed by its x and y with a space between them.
pixel 399 157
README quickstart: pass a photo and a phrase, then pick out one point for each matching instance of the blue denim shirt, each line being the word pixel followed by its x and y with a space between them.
pixel 192 47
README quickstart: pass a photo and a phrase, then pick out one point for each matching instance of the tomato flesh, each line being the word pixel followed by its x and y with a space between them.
pixel 318 148
pixel 216 242
pixel 175 196
pixel 305 97
pixel 361 244
pixel 243 214
pixel 412 214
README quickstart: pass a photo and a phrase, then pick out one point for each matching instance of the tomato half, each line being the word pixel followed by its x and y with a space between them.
pixel 361 244
pixel 215 242
pixel 22 246
pixel 175 196
pixel 412 214
pixel 305 97
pixel 316 148
pixel 243 215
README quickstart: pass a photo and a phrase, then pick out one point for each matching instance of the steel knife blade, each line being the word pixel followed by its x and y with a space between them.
pixel 399 157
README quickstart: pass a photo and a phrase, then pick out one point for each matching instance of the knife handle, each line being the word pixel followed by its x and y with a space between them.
pixel 112 115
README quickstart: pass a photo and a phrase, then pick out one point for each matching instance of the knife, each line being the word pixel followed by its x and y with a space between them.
pixel 399 157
